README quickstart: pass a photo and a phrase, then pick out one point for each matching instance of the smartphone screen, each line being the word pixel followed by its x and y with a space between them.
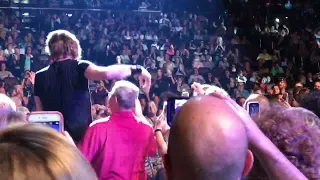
pixel 185 94
pixel 52 119
pixel 174 106
pixel 253 108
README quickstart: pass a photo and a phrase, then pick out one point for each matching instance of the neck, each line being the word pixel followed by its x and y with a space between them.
pixel 122 110
pixel 63 58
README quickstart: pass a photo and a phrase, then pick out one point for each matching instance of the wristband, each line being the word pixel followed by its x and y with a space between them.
pixel 157 130
pixel 136 70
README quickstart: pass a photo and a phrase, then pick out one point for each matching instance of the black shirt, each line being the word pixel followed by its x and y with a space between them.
pixel 63 87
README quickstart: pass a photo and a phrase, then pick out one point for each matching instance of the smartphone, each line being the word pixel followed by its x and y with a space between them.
pixel 185 94
pixel 173 106
pixel 53 119
pixel 253 109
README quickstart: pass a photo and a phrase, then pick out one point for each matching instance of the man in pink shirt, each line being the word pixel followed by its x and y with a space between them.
pixel 117 146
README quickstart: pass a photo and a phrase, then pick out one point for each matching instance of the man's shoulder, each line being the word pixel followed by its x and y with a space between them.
pixel 43 70
pixel 103 121
pixel 83 62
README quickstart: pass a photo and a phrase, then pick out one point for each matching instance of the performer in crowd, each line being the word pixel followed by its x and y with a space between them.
pixel 63 85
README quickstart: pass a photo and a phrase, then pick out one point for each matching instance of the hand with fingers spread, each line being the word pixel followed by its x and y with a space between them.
pixel 32 76
pixel 145 77
pixel 161 124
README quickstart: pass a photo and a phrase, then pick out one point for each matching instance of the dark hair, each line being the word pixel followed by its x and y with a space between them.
pixel 13 118
pixel 238 100
pixel 34 150
pixel 311 101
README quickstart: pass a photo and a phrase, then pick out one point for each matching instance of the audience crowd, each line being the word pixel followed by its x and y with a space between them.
pixel 268 62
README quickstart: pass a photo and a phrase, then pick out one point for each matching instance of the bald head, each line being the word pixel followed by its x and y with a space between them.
pixel 207 141
pixel 6 106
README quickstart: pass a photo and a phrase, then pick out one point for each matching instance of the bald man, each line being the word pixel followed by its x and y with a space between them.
pixel 204 144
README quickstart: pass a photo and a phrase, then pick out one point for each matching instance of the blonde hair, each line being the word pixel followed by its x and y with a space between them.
pixel 12 119
pixel 6 106
pixel 37 152
pixel 23 110
pixel 62 43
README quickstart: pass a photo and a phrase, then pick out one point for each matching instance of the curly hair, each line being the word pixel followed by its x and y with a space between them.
pixel 311 101
pixel 296 132
pixel 62 43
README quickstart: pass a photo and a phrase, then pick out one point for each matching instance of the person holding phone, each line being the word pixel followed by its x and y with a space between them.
pixel 63 85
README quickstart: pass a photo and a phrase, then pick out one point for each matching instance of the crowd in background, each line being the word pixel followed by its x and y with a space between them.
pixel 243 57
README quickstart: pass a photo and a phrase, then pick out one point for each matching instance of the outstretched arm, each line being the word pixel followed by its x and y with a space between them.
pixel 273 161
pixel 119 71
pixel 94 72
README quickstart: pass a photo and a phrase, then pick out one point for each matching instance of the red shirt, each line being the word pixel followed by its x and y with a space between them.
pixel 117 148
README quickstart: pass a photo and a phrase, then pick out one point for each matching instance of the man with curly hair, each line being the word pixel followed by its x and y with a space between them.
pixel 296 132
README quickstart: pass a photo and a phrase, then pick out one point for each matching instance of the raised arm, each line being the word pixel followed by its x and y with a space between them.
pixel 273 161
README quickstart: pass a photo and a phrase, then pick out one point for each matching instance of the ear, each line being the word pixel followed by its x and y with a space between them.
pixel 167 167
pixel 248 163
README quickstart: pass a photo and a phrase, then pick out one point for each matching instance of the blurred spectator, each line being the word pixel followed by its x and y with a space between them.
pixel 12 119
pixel 311 101
pixel 7 106
pixel 99 95
pixel 196 77
pixel 294 131
pixel 47 152
pixel 4 72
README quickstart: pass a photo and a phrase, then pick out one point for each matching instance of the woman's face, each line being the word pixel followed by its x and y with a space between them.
pixel 232 84
pixel 9 39
pixel 227 73
pixel 276 90
pixel 29 50
pixel 26 39
pixel 177 53
pixel 148 61
pixel 216 80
